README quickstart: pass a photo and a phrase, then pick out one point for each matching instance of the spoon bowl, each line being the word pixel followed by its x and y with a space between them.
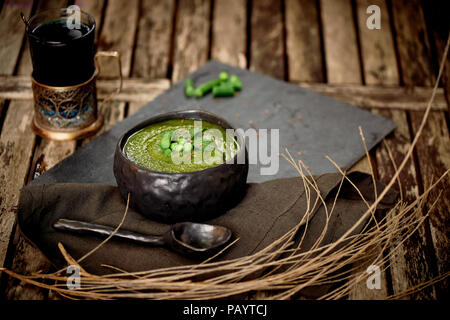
pixel 197 237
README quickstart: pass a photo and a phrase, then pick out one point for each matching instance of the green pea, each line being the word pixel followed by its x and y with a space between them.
pixel 165 142
pixel 190 91
pixel 167 152
pixel 205 144
pixel 223 76
pixel 236 82
pixel 189 87
pixel 224 90
pixel 173 145
pixel 205 88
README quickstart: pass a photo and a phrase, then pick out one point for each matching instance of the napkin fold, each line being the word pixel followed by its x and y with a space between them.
pixel 266 213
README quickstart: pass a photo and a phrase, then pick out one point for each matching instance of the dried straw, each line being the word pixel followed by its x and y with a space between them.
pixel 282 268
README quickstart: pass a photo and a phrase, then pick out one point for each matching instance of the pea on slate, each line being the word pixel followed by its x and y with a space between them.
pixel 206 87
pixel 222 87
pixel 236 82
pixel 189 88
pixel 224 90
pixel 223 76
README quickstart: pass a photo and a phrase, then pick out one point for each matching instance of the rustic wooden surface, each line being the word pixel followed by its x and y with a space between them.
pixel 302 38
pixel 267 50
pixel 229 32
pixel 323 45
pixel 433 148
pixel 191 39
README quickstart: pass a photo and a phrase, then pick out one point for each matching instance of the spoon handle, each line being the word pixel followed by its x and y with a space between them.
pixel 80 227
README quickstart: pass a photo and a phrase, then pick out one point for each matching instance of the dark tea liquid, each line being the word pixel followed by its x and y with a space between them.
pixel 62 56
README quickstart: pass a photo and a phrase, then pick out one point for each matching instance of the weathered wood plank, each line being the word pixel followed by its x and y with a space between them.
pixel 303 45
pixel 144 89
pixel 118 33
pixel 434 159
pixel 412 41
pixel 191 37
pixel 16 140
pixel 229 32
pixel 114 36
pixel 16 147
pixel 151 56
pixel 27 258
pixel 433 148
pixel 377 46
pixel 152 53
pixel 342 61
pixel 12 33
pixel 340 46
pixel 267 44
pixel 408 266
pixel 267 47
pixel 439 30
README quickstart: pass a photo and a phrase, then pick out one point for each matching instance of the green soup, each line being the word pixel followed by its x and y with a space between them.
pixel 180 145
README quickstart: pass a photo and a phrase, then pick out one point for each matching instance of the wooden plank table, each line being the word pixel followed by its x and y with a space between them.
pixel 321 45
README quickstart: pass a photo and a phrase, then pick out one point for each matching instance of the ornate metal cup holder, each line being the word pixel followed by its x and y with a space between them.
pixel 70 112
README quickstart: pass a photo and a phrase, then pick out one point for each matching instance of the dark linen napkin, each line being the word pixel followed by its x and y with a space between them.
pixel 267 212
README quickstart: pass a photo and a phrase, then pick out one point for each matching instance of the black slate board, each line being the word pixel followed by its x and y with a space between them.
pixel 328 126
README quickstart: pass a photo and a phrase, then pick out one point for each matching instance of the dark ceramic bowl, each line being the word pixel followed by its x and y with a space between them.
pixel 190 196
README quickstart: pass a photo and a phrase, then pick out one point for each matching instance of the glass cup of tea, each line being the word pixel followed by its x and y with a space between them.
pixel 65 70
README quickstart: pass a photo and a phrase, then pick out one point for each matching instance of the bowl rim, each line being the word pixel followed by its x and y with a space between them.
pixel 173 115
